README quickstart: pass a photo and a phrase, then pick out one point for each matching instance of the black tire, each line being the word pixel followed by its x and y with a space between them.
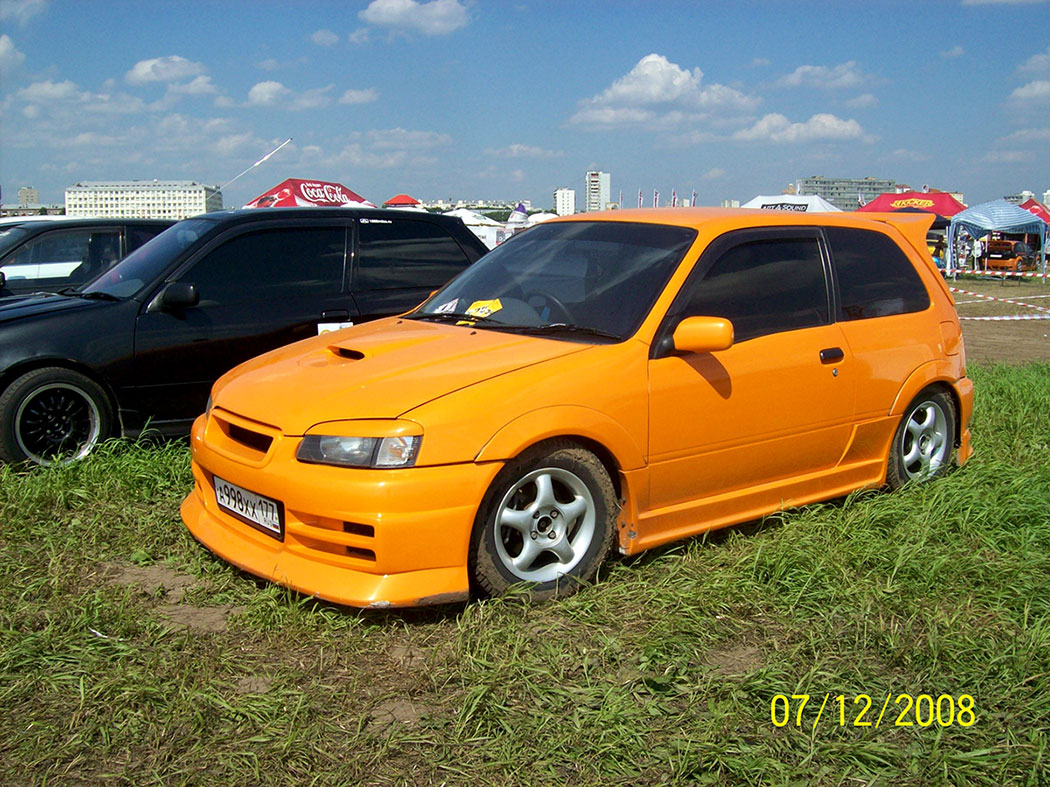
pixel 547 521
pixel 52 416
pixel 925 439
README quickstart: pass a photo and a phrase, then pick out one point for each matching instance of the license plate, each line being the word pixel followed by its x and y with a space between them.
pixel 261 512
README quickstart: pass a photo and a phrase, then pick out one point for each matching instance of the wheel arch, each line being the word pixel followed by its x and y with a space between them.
pixel 930 377
pixel 13 372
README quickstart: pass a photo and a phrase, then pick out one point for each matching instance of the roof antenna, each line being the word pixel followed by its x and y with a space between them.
pixel 257 163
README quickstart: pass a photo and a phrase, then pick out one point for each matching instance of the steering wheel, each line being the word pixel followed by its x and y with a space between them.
pixel 555 304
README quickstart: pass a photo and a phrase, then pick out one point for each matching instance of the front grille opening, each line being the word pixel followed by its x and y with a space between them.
pixel 361 554
pixel 359 530
pixel 254 440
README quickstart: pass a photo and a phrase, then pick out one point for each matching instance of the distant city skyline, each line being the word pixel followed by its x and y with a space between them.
pixel 454 99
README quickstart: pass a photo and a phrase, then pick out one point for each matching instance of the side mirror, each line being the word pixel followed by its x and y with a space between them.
pixel 3 279
pixel 178 295
pixel 703 335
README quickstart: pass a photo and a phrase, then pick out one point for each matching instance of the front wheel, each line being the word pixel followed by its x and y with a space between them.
pixel 548 521
pixel 52 416
pixel 922 447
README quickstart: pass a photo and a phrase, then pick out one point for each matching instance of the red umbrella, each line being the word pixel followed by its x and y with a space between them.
pixel 939 202
pixel 308 194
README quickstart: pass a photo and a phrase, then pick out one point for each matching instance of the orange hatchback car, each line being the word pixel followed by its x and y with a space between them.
pixel 599 382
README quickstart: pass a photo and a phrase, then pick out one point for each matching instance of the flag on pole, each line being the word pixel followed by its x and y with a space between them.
pixel 692 204
pixel 656 198
pixel 674 198
pixel 620 203
pixel 639 198
pixel 860 200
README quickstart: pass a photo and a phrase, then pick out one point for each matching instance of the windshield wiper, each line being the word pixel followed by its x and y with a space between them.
pixel 561 327
pixel 95 295
pixel 449 317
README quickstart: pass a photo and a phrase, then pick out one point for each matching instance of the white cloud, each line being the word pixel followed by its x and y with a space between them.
pixel 172 68
pixel 437 17
pixel 10 57
pixel 1037 64
pixel 1033 91
pixel 325 38
pixel 777 128
pixel 359 96
pixel 863 101
pixel 199 86
pixel 48 91
pixel 659 93
pixel 1007 157
pixel 523 151
pixel 955 51
pixel 21 11
pixel 713 174
pixel 274 94
pixel 842 76
pixel 269 64
pixel 1028 135
pixel 399 138
pixel 359 36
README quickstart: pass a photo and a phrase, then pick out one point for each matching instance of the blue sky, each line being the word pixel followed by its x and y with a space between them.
pixel 510 100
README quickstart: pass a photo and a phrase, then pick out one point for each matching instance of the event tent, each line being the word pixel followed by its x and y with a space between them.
pixel 1037 208
pixel 939 202
pixel 803 203
pixel 293 193
pixel 996 216
pixel 404 202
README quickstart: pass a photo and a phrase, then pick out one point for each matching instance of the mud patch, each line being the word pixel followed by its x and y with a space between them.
pixel 408 713
pixel 407 656
pixel 208 619
pixel 170 583
pixel 253 684
pixel 736 658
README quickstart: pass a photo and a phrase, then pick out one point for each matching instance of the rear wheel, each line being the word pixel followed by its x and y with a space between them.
pixel 922 447
pixel 548 521
pixel 52 416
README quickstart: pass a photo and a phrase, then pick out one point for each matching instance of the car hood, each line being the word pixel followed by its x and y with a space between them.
pixel 15 307
pixel 378 370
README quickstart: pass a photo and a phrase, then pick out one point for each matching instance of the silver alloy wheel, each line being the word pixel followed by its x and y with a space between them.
pixel 544 524
pixel 925 441
pixel 57 423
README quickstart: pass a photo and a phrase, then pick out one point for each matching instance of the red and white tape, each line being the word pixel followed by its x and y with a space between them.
pixel 962 272
pixel 1000 300
pixel 1009 318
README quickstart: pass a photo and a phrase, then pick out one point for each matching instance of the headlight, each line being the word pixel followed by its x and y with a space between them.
pixel 359 451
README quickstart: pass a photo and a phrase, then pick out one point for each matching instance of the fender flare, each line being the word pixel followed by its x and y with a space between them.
pixel 563 421
pixel 931 373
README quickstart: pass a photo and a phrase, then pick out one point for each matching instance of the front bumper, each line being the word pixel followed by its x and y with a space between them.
pixel 365 538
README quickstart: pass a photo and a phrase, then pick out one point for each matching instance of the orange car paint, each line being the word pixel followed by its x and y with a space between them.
pixel 378 537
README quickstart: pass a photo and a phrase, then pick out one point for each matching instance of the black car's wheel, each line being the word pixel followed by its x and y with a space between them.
pixel 52 416
pixel 922 447
pixel 548 521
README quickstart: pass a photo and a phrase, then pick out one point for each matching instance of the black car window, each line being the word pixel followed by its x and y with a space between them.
pixel 875 277
pixel 400 253
pixel 67 256
pixel 271 264
pixel 763 287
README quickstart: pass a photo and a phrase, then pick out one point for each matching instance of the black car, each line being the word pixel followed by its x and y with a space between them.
pixel 47 255
pixel 141 344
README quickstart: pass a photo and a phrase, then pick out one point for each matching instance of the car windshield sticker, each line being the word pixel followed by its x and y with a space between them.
pixel 447 308
pixel 482 309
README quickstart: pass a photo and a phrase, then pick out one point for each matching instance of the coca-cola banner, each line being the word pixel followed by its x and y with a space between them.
pixel 309 194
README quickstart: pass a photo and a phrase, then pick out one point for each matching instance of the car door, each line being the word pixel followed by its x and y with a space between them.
pixel 259 289
pixel 61 258
pixel 399 261
pixel 776 405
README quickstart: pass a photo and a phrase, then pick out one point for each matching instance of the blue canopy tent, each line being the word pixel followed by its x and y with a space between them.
pixel 1000 216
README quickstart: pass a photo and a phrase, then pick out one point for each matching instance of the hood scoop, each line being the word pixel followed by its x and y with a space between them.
pixel 347 353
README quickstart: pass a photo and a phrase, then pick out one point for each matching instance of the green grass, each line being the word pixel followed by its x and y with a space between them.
pixel 664 672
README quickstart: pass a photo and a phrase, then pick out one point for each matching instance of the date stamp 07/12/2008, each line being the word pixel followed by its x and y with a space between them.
pixel 858 710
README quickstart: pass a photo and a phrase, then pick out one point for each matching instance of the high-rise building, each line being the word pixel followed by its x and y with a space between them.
pixel 845 193
pixel 142 199
pixel 564 201
pixel 596 191
pixel 27 195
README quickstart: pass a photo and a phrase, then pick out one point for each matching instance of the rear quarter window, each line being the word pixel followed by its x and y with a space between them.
pixel 400 253
pixel 875 277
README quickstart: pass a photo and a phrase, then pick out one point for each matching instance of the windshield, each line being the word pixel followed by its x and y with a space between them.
pixel 598 277
pixel 150 261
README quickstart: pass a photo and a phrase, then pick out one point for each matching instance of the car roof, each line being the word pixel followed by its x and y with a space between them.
pixel 271 214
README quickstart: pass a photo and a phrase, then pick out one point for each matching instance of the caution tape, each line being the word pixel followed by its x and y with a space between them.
pixel 1012 317
pixel 967 272
pixel 1000 300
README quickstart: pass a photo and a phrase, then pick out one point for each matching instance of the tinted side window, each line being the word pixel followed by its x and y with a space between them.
pixel 399 253
pixel 875 277
pixel 764 287
pixel 271 264
pixel 72 256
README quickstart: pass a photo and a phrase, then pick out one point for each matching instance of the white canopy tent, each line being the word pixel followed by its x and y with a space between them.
pixel 803 203
pixel 998 216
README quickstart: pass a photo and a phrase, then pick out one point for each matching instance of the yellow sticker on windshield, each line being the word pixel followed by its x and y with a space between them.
pixel 482 309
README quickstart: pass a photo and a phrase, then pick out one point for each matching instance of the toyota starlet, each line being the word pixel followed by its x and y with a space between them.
pixel 597 383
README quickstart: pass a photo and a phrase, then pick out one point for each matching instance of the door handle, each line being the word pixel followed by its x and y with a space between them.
pixel 335 315
pixel 832 355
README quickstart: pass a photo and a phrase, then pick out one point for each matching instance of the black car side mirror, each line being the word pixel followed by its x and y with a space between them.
pixel 179 295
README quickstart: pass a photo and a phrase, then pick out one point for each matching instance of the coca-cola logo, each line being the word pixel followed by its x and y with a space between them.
pixel 323 192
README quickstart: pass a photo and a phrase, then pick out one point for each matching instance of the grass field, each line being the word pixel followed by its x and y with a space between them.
pixel 129 655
